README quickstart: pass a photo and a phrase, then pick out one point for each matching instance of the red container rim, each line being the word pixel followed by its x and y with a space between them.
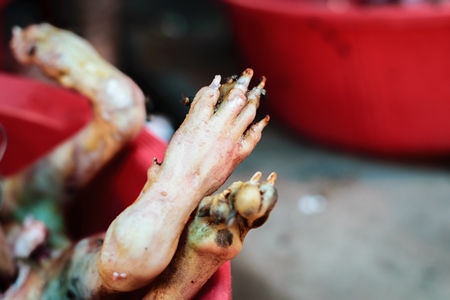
pixel 411 15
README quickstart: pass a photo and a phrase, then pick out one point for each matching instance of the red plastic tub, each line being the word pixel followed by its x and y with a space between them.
pixel 375 79
pixel 38 116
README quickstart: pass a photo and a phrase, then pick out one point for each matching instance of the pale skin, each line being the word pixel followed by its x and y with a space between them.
pixel 229 144
pixel 141 242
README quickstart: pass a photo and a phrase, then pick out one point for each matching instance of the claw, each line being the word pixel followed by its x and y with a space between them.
pixel 243 81
pixel 256 177
pixel 225 193
pixel 263 123
pixel 215 84
pixel 255 94
pixel 262 82
pixel 272 178
pixel 260 86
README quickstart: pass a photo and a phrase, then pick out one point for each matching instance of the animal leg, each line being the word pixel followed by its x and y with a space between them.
pixel 215 235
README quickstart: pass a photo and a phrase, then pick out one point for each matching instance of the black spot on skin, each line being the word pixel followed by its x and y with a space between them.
pixel 204 212
pixel 259 222
pixel 243 228
pixel 32 50
pixel 224 238
pixel 70 295
pixel 219 218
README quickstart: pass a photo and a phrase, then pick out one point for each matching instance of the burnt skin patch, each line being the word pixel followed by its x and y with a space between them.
pixel 260 221
pixel 204 211
pixel 224 238
pixel 219 218
pixel 32 50
pixel 70 294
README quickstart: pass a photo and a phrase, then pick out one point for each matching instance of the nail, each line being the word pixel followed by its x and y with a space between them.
pixel 215 84
pixel 256 177
pixel 272 178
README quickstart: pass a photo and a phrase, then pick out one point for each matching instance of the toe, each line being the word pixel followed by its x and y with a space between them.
pixel 205 100
pixel 204 207
pixel 247 201
pixel 248 113
pixel 243 81
pixel 220 208
pixel 226 87
pixel 252 136
pixel 269 195
pixel 236 99
pixel 255 201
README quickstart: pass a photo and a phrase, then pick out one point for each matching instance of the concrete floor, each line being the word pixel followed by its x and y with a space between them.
pixel 345 227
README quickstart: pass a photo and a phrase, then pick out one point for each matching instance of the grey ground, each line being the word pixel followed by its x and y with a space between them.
pixel 383 231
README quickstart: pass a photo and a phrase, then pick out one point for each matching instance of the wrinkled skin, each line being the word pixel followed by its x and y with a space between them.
pixel 152 237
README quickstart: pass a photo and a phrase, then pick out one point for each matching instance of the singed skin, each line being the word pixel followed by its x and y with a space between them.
pixel 214 236
pixel 118 115
pixel 142 241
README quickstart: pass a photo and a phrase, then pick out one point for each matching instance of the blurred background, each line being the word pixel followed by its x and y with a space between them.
pixel 359 97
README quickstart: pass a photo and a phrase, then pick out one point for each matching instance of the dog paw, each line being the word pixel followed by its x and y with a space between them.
pixel 218 133
pixel 222 221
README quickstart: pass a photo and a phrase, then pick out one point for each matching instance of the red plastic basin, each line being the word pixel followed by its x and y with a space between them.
pixel 374 79
pixel 38 116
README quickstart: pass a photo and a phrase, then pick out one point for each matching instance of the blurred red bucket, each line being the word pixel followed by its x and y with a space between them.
pixel 375 79
pixel 38 116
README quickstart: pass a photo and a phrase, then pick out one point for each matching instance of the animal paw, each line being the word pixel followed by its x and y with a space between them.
pixel 218 133
pixel 222 221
